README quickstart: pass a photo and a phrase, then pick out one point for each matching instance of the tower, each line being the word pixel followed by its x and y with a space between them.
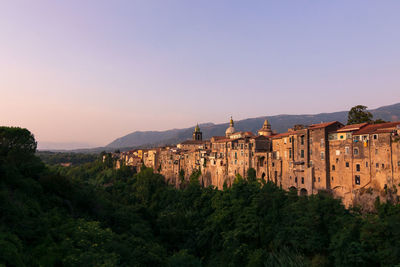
pixel 197 134
pixel 231 128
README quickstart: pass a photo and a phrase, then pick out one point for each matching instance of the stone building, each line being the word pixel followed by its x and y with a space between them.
pixel 343 160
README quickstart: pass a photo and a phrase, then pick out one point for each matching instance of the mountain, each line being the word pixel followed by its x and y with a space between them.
pixel 279 123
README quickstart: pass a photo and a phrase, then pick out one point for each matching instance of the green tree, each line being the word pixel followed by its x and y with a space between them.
pixel 359 114
pixel 251 174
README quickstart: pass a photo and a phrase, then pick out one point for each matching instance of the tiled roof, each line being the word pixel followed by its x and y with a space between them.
pixel 352 127
pixel 378 128
pixel 280 135
pixel 223 140
pixel 321 125
pixel 193 142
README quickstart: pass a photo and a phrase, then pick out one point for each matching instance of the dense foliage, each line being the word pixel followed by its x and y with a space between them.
pixel 94 215
pixel 53 158
pixel 360 114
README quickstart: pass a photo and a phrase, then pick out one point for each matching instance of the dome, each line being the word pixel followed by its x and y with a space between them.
pixel 230 129
pixel 266 129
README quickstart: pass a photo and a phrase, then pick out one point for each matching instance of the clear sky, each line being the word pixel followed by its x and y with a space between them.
pixel 90 71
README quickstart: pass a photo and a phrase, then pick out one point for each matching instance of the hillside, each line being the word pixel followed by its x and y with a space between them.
pixel 280 123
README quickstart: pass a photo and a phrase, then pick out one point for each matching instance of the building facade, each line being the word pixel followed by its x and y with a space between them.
pixel 343 160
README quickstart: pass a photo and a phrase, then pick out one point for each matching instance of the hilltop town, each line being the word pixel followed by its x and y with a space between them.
pixel 346 161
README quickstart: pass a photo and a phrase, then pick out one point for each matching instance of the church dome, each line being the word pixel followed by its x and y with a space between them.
pixel 266 129
pixel 231 129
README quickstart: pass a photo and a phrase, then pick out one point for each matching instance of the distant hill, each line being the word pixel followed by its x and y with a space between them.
pixel 280 123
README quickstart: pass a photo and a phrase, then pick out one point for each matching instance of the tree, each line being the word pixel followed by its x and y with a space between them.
pixel 359 114
pixel 251 174
pixel 16 142
pixel 17 151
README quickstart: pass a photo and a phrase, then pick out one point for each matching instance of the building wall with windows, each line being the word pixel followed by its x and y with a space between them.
pixel 343 160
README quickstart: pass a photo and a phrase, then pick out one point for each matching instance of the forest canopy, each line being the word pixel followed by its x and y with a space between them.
pixel 94 215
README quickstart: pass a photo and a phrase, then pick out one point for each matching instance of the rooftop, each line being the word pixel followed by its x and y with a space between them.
pixel 321 125
pixel 352 127
pixel 378 128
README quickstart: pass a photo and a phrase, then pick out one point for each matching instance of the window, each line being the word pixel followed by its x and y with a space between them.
pixel 313 179
pixel 290 139
pixel 332 178
pixel 273 164
pixel 290 153
pixel 322 142
pixel 235 161
pixel 241 146
pixel 302 140
pixel 377 165
pixel 347 150
pixel 347 164
pixel 302 153
pixel 322 155
pixel 319 179
pixel 366 164
pixel 235 155
pixel 241 153
pixel 383 165
pixel 295 179
pixel 355 151
pixel 333 167
pixel 358 167
pixel 376 151
pixel 311 163
pixel 398 163
pixel 310 141
pixel 302 180
pixel 341 136
pixel 337 160
pixel 357 179
pixel 375 136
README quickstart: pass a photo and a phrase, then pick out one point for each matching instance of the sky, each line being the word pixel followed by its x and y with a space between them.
pixel 82 73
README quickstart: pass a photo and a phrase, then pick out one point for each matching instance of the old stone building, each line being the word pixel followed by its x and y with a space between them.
pixel 343 160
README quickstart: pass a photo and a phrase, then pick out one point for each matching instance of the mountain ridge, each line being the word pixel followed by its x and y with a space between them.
pixel 279 123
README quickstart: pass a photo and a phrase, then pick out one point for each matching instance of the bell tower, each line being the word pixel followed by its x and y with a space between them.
pixel 197 134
